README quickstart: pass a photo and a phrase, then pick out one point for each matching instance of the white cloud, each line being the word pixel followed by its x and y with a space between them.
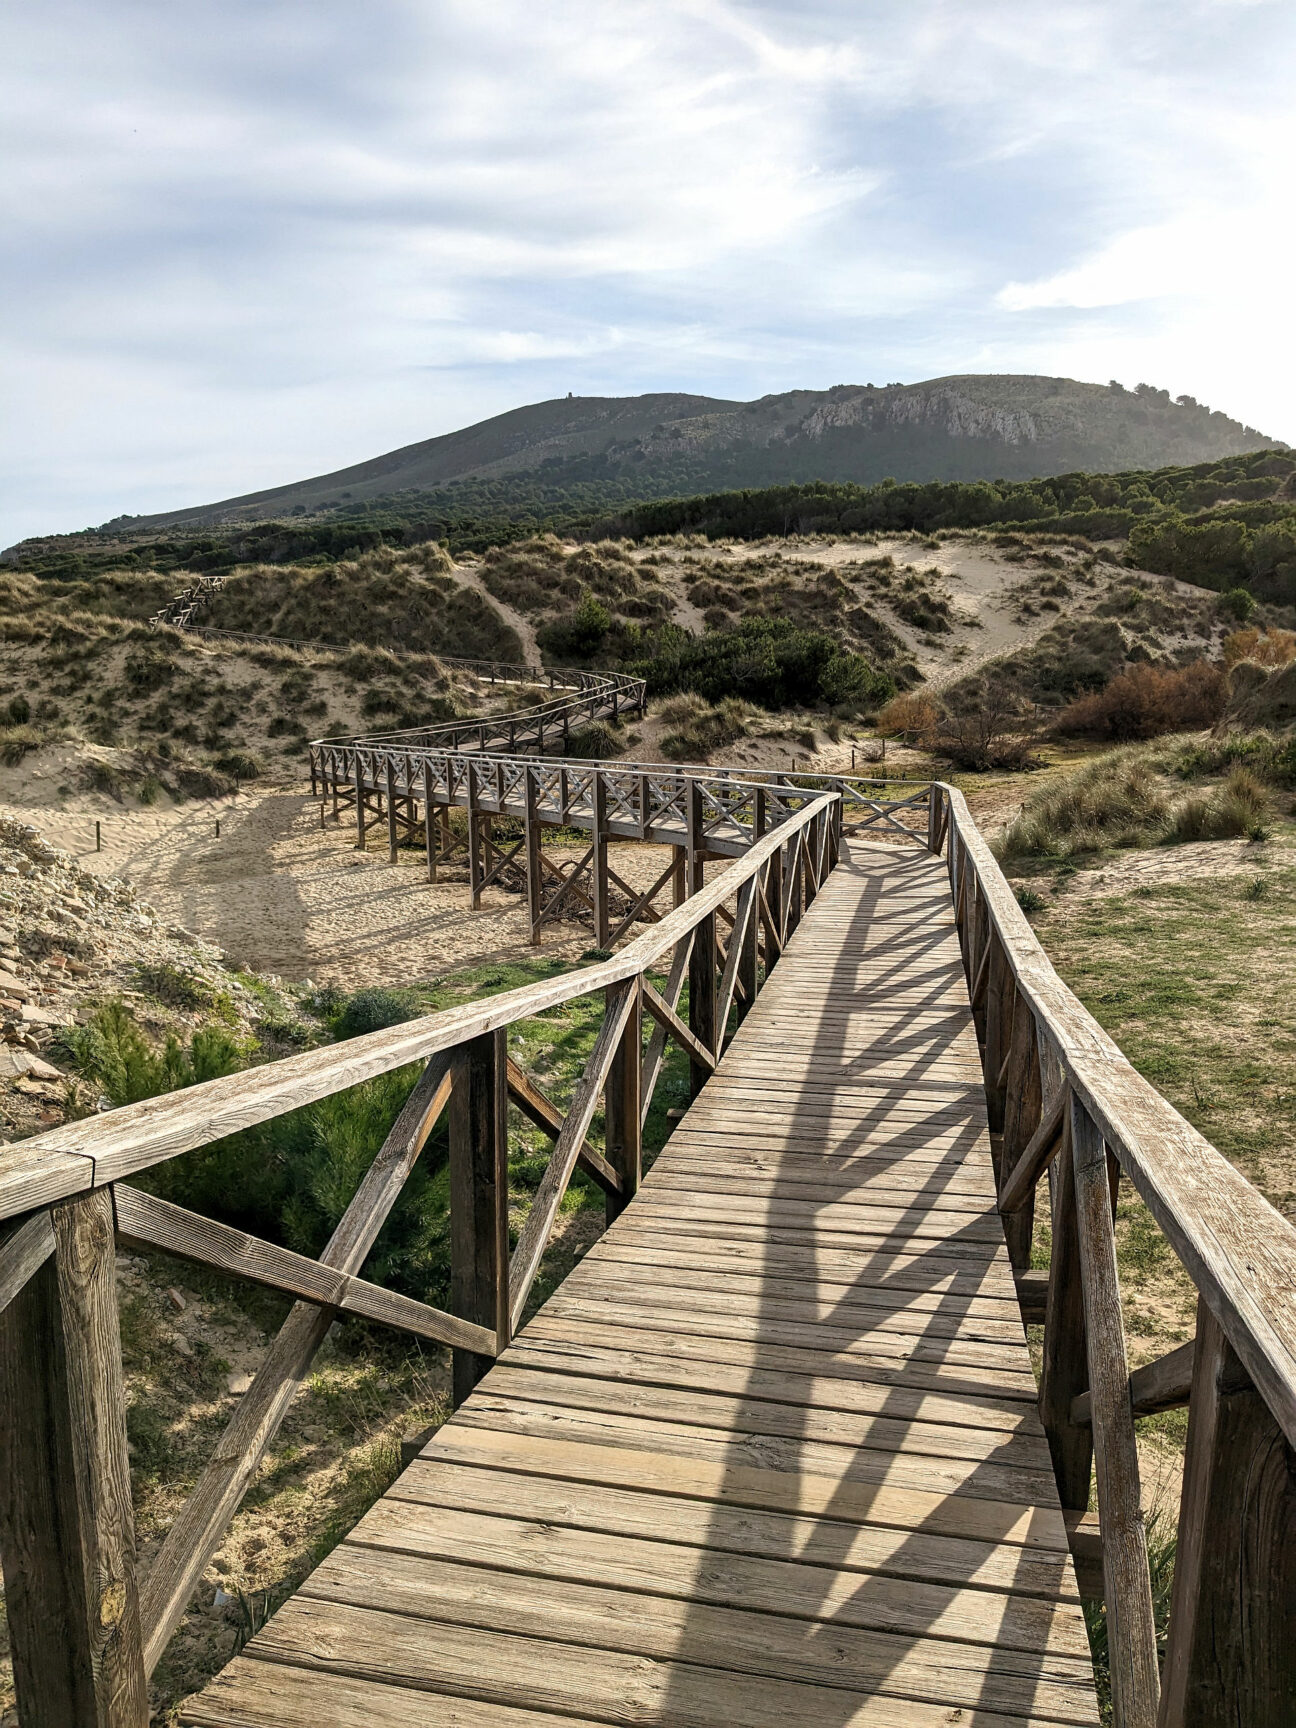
pixel 250 240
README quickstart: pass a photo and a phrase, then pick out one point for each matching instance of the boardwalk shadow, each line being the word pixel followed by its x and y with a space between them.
pixel 909 1494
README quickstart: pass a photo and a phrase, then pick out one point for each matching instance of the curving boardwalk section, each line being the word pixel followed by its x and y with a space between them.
pixel 771 1453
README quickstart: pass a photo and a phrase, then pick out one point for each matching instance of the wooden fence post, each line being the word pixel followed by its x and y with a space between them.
pixel 533 864
pixel 67 1529
pixel 933 817
pixel 475 869
pixel 1064 1373
pixel 390 778
pixel 599 862
pixel 623 1107
pixel 360 804
pixel 479 1238
pixel 1231 1652
pixel 1022 1107
pixel 703 1002
pixel 1131 1631
pixel 429 818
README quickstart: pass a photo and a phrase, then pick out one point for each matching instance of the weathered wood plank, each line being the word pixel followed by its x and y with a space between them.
pixel 67 1531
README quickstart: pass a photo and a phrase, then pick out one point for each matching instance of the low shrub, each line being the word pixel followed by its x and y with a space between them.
pixel 241 764
pixel 707 729
pixel 1265 647
pixel 17 742
pixel 112 1051
pixel 1239 807
pixel 982 725
pixel 1270 759
pixel 372 1010
pixel 913 716
pixel 1146 701
pixel 594 743
pixel 1114 801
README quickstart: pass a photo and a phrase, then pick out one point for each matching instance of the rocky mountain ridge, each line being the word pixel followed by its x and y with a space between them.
pixel 963 427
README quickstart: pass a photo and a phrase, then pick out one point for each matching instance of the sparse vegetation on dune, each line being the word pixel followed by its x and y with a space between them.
pixel 1133 797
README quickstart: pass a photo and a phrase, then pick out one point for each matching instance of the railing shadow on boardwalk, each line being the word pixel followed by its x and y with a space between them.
pixel 888 1632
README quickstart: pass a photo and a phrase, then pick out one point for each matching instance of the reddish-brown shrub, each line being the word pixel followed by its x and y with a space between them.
pixel 913 715
pixel 1265 647
pixel 1146 701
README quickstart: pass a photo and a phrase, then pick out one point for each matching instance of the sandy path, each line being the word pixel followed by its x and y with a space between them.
pixel 281 894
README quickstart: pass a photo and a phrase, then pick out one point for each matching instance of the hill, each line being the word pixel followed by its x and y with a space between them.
pixel 591 451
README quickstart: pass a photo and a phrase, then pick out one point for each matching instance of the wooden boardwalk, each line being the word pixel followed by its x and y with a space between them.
pixel 771 1453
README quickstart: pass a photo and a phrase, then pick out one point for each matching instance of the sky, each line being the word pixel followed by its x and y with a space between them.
pixel 254 240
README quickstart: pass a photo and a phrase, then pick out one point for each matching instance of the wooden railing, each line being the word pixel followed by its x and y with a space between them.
pixel 408 790
pixel 85 1631
pixel 1068 1103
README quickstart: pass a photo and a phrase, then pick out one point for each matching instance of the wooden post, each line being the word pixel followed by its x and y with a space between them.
pixel 1131 1632
pixel 360 804
pixel 623 1110
pixel 933 818
pixel 696 839
pixel 749 961
pixel 1064 1373
pixel 703 1003
pixel 391 810
pixel 599 862
pixel 774 900
pixel 533 864
pixel 475 871
pixel 997 1025
pixel 1231 1653
pixel 67 1529
pixel 334 782
pixel 429 819
pixel 479 1237
pixel 1022 1108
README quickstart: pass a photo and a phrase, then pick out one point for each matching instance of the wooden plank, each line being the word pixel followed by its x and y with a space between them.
pixel 666 1017
pixel 1036 1157
pixel 23 1252
pixel 1165 1384
pixel 67 1533
pixel 143 1220
pixel 479 1242
pixel 688 1569
pixel 1131 1631
pixel 748 1646
pixel 804 1391
pixel 251 1694
pixel 196 1532
pixel 1231 1654
pixel 749 1414
pixel 525 1263
pixel 546 1115
pixel 827 1541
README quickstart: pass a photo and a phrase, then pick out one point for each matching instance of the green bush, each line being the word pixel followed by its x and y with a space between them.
pixel 19 710
pixel 112 1051
pixel 1237 603
pixel 372 1010
pixel 769 661
pixel 241 764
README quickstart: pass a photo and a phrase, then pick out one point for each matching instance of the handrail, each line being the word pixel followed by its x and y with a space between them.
pixel 1239 1250
pixel 67 1188
pixel 1068 1102
pixel 135 1137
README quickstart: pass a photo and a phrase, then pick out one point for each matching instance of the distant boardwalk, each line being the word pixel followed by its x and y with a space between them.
pixel 771 1453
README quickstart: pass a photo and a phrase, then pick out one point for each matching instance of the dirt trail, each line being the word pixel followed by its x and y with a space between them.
pixel 468 577
pixel 281 894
